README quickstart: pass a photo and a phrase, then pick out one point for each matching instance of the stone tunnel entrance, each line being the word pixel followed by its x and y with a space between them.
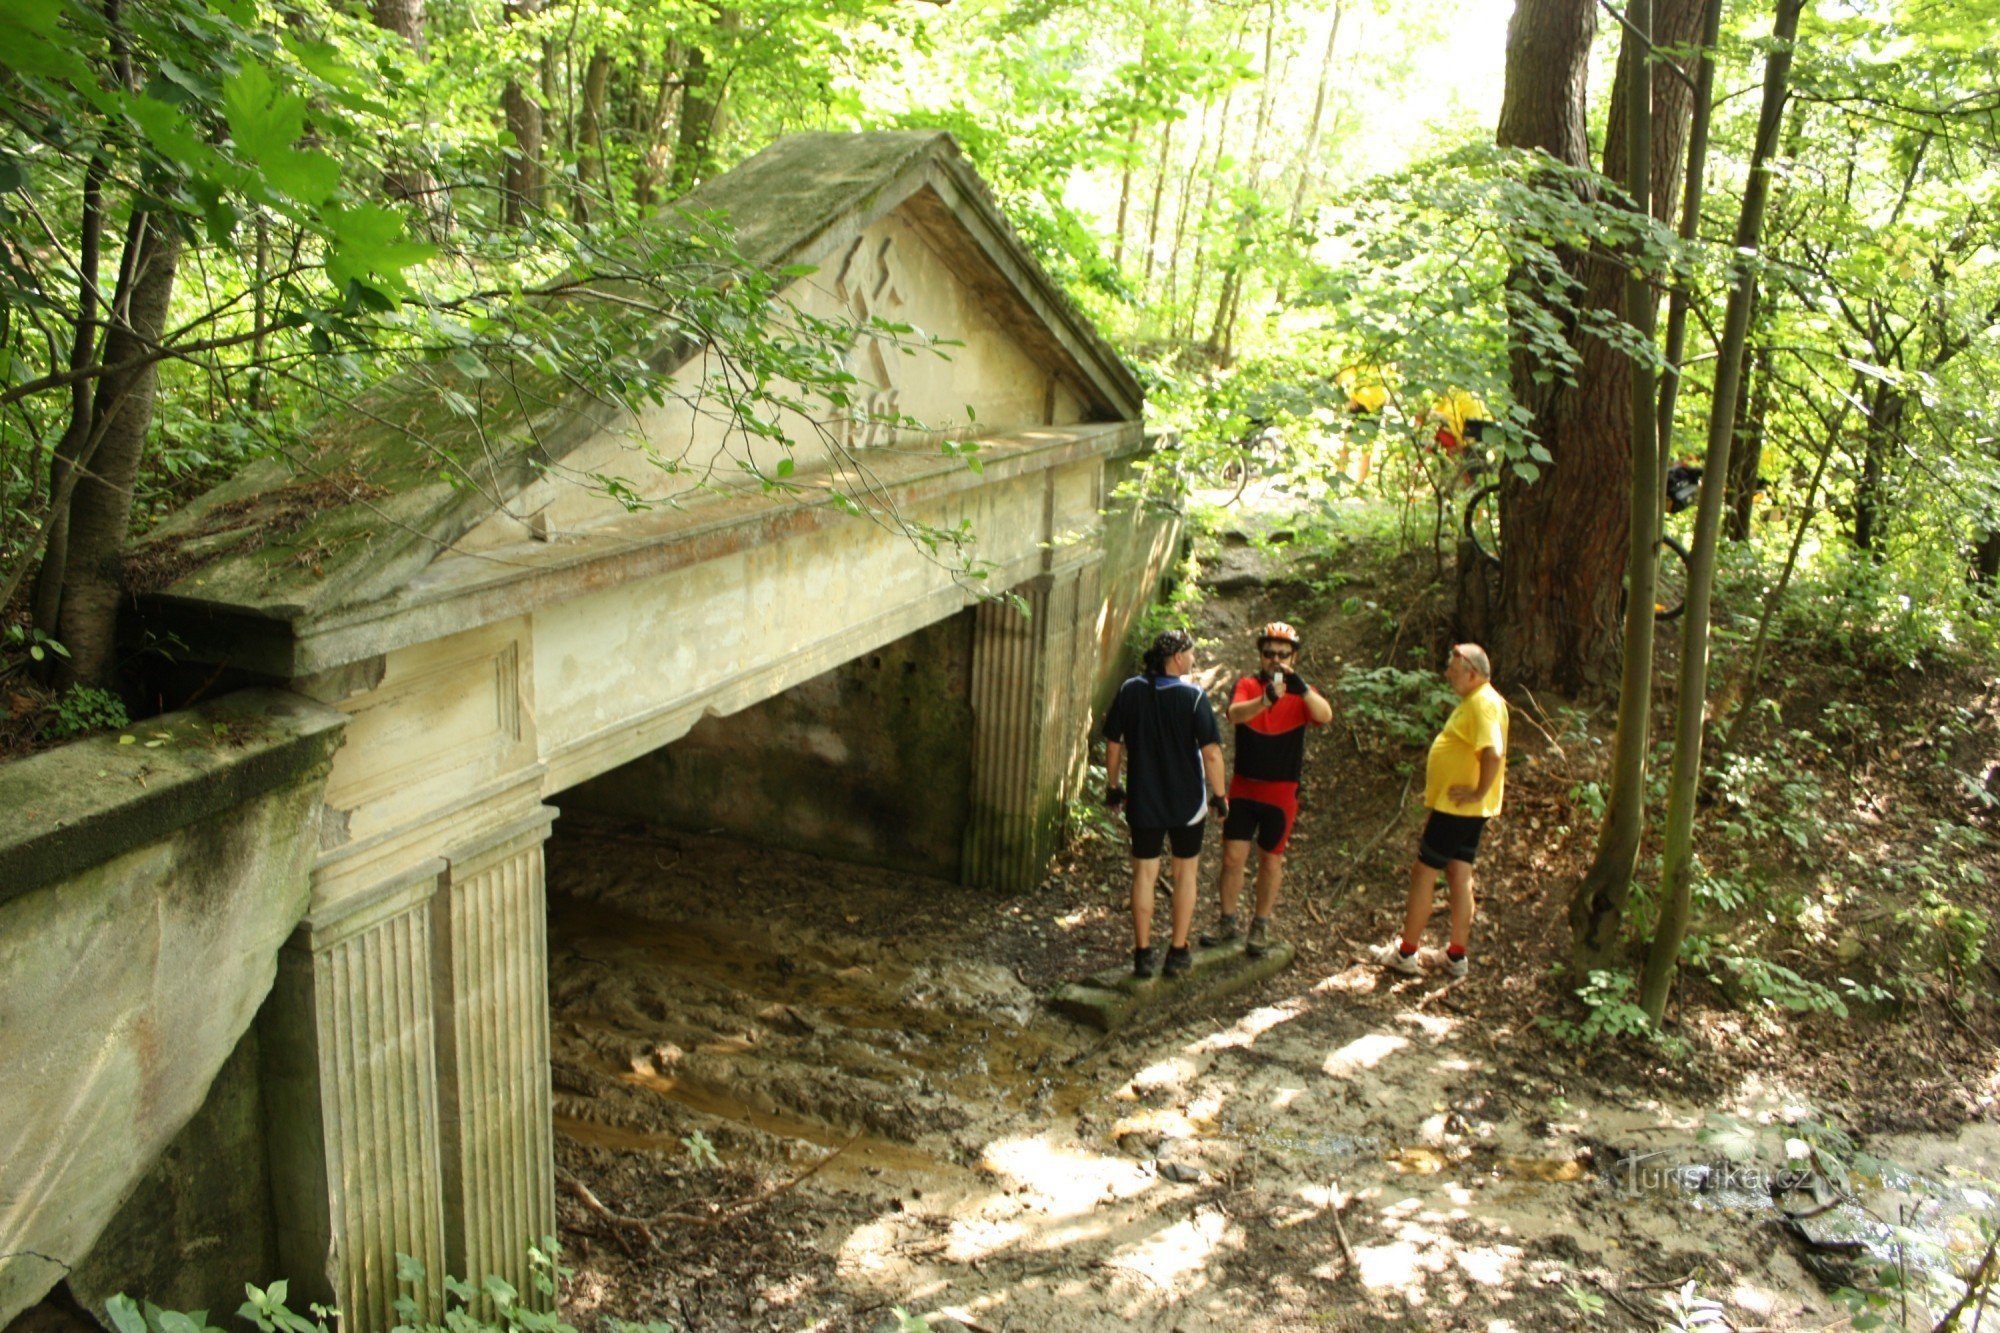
pixel 870 762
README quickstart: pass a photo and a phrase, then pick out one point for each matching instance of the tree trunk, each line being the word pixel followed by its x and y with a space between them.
pixel 100 510
pixel 1885 427
pixel 703 89
pixel 522 192
pixel 1564 555
pixel 592 177
pixel 1748 458
pixel 1986 560
pixel 1677 860
pixel 46 599
pixel 404 182
pixel 1597 906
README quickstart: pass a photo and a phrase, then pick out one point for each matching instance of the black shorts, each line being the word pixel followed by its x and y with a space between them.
pixel 1146 842
pixel 1268 824
pixel 1450 838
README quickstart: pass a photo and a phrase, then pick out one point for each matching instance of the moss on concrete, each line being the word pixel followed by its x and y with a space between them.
pixel 72 808
pixel 1110 999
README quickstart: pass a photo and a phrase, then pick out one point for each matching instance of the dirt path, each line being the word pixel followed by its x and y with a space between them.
pixel 793 1094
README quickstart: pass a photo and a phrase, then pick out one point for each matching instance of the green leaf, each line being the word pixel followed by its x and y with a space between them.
pixel 470 365
pixel 784 468
pixel 125 1314
pixel 1526 471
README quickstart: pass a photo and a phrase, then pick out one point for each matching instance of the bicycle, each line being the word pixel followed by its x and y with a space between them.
pixel 1482 531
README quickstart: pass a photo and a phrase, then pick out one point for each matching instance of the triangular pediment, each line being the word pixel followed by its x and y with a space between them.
pixel 892 223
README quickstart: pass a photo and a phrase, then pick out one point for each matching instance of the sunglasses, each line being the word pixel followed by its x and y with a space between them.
pixel 1277 654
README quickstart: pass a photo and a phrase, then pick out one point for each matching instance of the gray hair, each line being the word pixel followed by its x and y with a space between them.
pixel 1475 657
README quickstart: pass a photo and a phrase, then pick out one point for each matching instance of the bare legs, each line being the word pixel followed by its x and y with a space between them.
pixel 1270 873
pixel 1145 874
pixel 1423 884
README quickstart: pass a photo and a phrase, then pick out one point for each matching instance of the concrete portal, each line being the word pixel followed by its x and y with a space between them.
pixel 496 643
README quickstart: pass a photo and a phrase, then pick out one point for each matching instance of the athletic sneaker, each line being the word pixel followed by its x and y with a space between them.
pixel 1179 961
pixel 1392 957
pixel 1259 941
pixel 1145 962
pixel 1438 960
pixel 1225 932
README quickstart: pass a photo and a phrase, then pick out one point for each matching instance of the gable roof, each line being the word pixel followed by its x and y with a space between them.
pixel 366 503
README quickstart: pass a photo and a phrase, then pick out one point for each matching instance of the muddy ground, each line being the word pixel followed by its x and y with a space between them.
pixel 793 1093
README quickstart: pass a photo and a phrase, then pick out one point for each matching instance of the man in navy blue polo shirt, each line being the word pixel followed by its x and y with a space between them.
pixel 1161 733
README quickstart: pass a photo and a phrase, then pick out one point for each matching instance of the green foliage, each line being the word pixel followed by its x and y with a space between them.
pixel 701 1151
pixel 1393 707
pixel 1777 986
pixel 81 710
pixel 1611 1013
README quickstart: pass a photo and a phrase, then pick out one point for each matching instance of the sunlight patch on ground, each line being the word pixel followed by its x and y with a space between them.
pixel 1360 979
pixel 1068 1182
pixel 1181 1249
pixel 1164 1076
pixel 1435 1026
pixel 1251 1026
pixel 973 1238
pixel 1363 1053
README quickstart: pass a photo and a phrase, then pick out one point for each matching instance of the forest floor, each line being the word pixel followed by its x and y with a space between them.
pixel 793 1093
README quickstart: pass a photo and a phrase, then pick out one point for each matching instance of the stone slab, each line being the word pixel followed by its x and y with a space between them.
pixel 1110 999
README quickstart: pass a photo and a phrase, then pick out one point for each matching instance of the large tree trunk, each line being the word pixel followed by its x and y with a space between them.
pixel 1560 562
pixel 100 509
pixel 1565 548
pixel 522 190
pixel 1677 854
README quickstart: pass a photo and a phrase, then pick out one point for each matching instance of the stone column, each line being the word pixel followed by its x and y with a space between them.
pixel 1031 714
pixel 351 1102
pixel 490 922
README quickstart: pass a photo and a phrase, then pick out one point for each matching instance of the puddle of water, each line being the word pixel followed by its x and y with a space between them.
pixel 860 1154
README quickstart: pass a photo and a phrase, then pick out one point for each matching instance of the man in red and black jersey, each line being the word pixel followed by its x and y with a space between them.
pixel 1271 710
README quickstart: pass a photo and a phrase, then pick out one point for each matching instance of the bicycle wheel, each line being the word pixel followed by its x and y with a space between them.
pixel 1670 592
pixel 1482 521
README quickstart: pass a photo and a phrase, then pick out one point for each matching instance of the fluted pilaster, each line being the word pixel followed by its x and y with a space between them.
pixel 493 1056
pixel 352 1092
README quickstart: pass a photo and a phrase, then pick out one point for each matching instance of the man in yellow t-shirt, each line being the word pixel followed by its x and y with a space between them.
pixel 1463 783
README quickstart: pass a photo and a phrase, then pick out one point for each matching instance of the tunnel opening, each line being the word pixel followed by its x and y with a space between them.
pixel 759 954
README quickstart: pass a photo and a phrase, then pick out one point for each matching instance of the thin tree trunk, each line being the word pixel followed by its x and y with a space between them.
pixel 1885 426
pixel 1748 458
pixel 1677 861
pixel 703 89
pixel 1598 905
pixel 522 192
pixel 101 507
pixel 1747 696
pixel 1159 196
pixel 46 600
pixel 409 182
pixel 591 172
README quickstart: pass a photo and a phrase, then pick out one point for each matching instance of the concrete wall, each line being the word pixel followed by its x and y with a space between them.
pixel 1141 540
pixel 145 889
pixel 198 1226
pixel 868 762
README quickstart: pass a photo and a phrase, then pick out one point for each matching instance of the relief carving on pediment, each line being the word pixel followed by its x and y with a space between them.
pixel 869 284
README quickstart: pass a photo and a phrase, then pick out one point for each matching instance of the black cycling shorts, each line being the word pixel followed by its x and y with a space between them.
pixel 1268 824
pixel 1450 838
pixel 1147 842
